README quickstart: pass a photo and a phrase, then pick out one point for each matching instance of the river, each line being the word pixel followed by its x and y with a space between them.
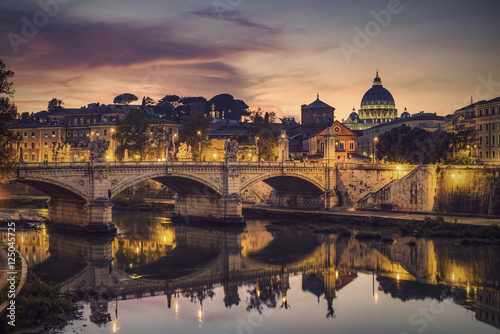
pixel 160 277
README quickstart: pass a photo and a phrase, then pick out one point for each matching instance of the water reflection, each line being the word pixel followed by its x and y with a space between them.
pixel 253 268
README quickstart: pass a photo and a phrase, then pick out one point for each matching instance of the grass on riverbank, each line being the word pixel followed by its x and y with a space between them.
pixel 40 306
pixel 137 203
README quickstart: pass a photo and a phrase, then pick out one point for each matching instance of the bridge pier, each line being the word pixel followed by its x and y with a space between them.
pixel 81 216
pixel 206 208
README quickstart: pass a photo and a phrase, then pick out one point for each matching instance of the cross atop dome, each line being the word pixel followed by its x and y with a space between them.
pixel 377 81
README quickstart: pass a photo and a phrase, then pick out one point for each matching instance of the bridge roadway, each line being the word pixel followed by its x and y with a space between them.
pixel 80 193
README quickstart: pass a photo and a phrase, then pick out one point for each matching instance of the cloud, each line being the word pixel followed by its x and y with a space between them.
pixel 234 16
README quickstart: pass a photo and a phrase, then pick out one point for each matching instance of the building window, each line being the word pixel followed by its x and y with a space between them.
pixel 341 145
pixel 105 132
pixel 53 133
pixel 33 158
pixel 25 135
pixel 97 133
pixel 76 158
pixel 486 126
pixel 480 127
pixel 487 154
pixel 95 120
pixel 351 145
pixel 81 121
pixel 492 154
pixel 46 157
pixel 25 145
pixel 481 155
pixel 492 140
pixel 26 157
pixel 88 120
pixel 87 133
pixel 69 133
pixel 32 146
pixel 46 134
pixel 81 133
pixel 69 122
pixel 492 126
pixel 45 145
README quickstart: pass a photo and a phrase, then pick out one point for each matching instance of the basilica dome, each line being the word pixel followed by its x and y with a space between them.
pixel 377 95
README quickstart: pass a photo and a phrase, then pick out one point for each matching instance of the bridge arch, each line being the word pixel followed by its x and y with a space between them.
pixel 179 182
pixel 53 187
pixel 293 182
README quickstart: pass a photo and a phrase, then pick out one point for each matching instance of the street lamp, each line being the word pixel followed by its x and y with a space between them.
pixel 199 147
pixel 257 147
pixel 114 143
pixel 375 140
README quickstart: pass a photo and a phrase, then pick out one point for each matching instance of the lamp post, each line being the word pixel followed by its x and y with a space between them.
pixel 375 140
pixel 257 147
pixel 114 143
pixel 199 147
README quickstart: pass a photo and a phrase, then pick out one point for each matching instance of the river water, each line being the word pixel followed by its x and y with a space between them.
pixel 160 277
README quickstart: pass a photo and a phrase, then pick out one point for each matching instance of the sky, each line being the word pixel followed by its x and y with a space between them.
pixel 432 55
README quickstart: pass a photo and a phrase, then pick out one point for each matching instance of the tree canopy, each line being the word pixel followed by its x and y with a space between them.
pixel 406 145
pixel 232 108
pixel 8 117
pixel 191 124
pixel 54 105
pixel 126 99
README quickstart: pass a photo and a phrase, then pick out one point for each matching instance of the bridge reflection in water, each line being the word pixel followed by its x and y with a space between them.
pixel 152 259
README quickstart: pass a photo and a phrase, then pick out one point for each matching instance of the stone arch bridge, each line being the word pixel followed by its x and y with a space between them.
pixel 80 193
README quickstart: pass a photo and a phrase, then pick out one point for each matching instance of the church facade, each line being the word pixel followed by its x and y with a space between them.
pixel 316 117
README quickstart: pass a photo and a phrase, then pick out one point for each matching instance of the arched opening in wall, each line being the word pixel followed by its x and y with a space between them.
pixel 159 189
pixel 290 191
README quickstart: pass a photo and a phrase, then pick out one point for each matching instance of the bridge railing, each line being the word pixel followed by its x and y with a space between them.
pixel 131 164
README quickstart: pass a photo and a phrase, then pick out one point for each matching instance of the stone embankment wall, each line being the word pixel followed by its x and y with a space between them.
pixel 356 181
pixel 442 189
pixel 465 189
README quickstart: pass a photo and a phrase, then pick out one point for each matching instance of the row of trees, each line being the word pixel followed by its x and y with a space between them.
pixel 174 107
pixel 406 145
pixel 8 118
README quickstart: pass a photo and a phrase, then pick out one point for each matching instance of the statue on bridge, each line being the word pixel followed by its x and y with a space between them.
pixel 60 151
pixel 184 153
pixel 97 149
pixel 231 150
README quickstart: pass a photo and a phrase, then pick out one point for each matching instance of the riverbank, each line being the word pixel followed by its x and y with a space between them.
pixel 364 216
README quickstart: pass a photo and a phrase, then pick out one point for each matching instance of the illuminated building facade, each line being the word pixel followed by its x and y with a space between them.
pixel 488 131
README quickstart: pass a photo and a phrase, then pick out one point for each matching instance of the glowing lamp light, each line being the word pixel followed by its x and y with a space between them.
pixel 336 274
pixel 375 297
pixel 200 315
pixel 397 277
pixel 176 306
pixel 453 276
